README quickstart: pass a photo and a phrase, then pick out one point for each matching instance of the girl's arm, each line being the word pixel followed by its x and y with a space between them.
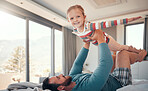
pixel 106 24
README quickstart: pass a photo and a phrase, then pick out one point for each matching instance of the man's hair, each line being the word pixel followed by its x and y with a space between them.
pixel 52 87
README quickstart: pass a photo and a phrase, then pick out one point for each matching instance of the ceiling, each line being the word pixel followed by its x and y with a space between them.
pixel 95 10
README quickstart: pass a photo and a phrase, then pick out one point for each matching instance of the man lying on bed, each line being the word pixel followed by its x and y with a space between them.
pixel 101 78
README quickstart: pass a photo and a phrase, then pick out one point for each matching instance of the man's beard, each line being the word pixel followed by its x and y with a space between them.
pixel 67 82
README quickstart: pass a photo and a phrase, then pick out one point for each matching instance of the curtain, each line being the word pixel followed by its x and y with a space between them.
pixel 69 50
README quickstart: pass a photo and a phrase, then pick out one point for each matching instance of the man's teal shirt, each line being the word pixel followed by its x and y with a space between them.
pixel 100 78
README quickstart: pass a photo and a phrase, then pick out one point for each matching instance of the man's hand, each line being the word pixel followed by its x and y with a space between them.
pixel 87 44
pixel 99 36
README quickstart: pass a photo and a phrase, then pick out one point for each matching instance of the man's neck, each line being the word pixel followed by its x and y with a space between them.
pixel 69 87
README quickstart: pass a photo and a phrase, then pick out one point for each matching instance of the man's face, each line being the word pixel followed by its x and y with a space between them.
pixel 61 79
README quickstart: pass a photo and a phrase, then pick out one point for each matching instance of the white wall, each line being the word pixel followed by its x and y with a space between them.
pixel 92 58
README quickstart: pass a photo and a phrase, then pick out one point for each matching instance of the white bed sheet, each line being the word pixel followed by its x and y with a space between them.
pixel 138 85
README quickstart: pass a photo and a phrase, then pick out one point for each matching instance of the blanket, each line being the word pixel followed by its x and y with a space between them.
pixel 25 86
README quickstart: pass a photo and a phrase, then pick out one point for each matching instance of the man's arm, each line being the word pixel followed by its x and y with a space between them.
pixel 100 75
pixel 79 61
pixel 106 24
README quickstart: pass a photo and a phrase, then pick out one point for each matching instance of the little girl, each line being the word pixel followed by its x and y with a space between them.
pixel 83 29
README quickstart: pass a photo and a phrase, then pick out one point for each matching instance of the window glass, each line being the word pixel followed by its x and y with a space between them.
pixel 12 49
pixel 40 52
pixel 58 52
pixel 134 35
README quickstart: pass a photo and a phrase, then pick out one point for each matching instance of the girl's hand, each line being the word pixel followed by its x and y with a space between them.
pixel 134 18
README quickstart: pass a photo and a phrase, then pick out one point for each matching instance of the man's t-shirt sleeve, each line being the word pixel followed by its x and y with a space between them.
pixel 79 61
pixel 100 75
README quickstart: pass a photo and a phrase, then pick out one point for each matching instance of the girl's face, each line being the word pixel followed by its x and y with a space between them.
pixel 76 18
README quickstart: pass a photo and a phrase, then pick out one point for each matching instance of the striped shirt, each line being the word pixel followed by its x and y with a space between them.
pixel 89 29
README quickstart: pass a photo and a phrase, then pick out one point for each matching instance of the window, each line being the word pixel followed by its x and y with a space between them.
pixel 135 35
pixel 12 49
pixel 40 44
pixel 58 52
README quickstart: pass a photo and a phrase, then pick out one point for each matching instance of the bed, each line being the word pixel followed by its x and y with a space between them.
pixel 138 85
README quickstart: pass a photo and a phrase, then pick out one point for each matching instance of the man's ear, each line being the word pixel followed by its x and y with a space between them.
pixel 61 87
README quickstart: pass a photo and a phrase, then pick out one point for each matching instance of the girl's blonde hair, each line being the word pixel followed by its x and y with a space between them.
pixel 76 7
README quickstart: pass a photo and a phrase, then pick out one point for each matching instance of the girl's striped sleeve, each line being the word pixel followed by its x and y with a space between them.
pixel 106 24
